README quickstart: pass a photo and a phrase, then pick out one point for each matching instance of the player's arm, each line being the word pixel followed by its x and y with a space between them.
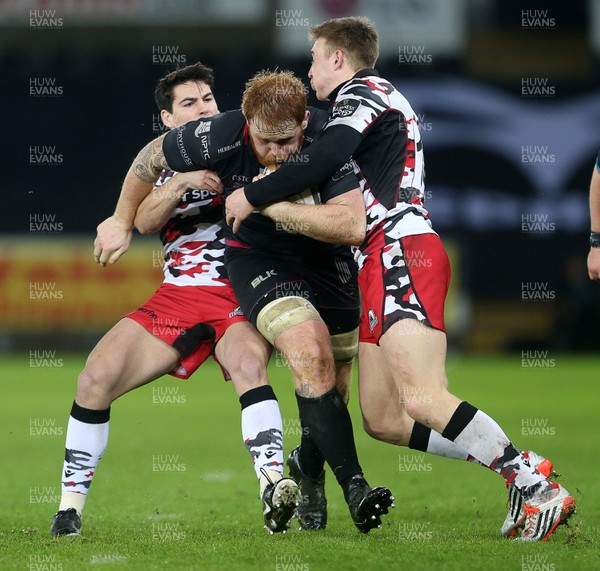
pixel 153 213
pixel 340 220
pixel 188 150
pixel 593 260
pixel 317 163
pixel 114 234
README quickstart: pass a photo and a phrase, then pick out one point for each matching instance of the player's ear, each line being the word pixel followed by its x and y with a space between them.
pixel 167 118
pixel 306 118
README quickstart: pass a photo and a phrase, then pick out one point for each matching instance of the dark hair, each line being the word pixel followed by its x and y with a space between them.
pixel 163 94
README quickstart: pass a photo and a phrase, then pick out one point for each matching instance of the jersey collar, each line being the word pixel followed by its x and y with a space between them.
pixel 360 73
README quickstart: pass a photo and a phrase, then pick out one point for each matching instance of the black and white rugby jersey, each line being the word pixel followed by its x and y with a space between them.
pixel 372 121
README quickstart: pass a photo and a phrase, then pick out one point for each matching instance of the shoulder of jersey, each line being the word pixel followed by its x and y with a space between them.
pixel 356 86
pixel 225 120
pixel 221 131
pixel 316 120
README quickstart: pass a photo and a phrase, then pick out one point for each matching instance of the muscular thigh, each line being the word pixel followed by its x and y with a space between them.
pixel 379 397
pixel 416 355
pixel 125 358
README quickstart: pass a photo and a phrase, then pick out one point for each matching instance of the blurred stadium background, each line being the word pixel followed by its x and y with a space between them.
pixel 507 92
pixel 508 96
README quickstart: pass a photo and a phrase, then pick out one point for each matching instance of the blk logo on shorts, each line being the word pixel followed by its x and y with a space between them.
pixel 373 321
pixel 258 280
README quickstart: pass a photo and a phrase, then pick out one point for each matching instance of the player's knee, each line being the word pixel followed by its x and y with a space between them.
pixel 376 429
pixel 307 349
pixel 417 406
pixel 418 398
pixel 282 314
pixel 93 388
pixel 381 428
pixel 249 369
pixel 311 356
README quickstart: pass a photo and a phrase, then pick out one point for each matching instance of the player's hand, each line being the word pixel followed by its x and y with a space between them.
pixel 204 180
pixel 593 264
pixel 113 237
pixel 237 209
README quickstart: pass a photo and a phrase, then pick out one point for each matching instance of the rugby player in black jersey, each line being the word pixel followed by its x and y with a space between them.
pixel 297 291
pixel 403 301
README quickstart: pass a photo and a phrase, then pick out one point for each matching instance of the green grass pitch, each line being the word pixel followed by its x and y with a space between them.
pixel 176 489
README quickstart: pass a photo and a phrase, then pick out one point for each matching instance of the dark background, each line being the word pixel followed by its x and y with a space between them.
pixel 106 113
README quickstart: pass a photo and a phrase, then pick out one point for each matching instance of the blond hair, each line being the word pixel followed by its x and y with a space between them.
pixel 355 36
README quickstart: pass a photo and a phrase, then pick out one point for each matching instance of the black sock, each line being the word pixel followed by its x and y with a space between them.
pixel 327 421
pixel 419 437
pixel 310 457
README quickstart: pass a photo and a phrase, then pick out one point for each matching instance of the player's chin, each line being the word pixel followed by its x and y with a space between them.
pixel 266 160
pixel 273 165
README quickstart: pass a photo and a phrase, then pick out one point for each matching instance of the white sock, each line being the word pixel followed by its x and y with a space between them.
pixel 425 439
pixel 441 446
pixel 85 444
pixel 262 429
pixel 483 438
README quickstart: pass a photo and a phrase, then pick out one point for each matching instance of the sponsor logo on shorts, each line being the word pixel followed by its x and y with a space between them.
pixel 258 280
pixel 150 313
pixel 236 311
pixel 373 321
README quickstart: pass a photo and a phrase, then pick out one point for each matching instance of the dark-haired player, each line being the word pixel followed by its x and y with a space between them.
pixel 193 314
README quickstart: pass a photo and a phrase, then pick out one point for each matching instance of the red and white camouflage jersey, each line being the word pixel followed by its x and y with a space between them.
pixel 194 240
pixel 391 179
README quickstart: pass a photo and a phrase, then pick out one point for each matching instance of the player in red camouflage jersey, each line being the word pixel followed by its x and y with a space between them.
pixel 193 314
